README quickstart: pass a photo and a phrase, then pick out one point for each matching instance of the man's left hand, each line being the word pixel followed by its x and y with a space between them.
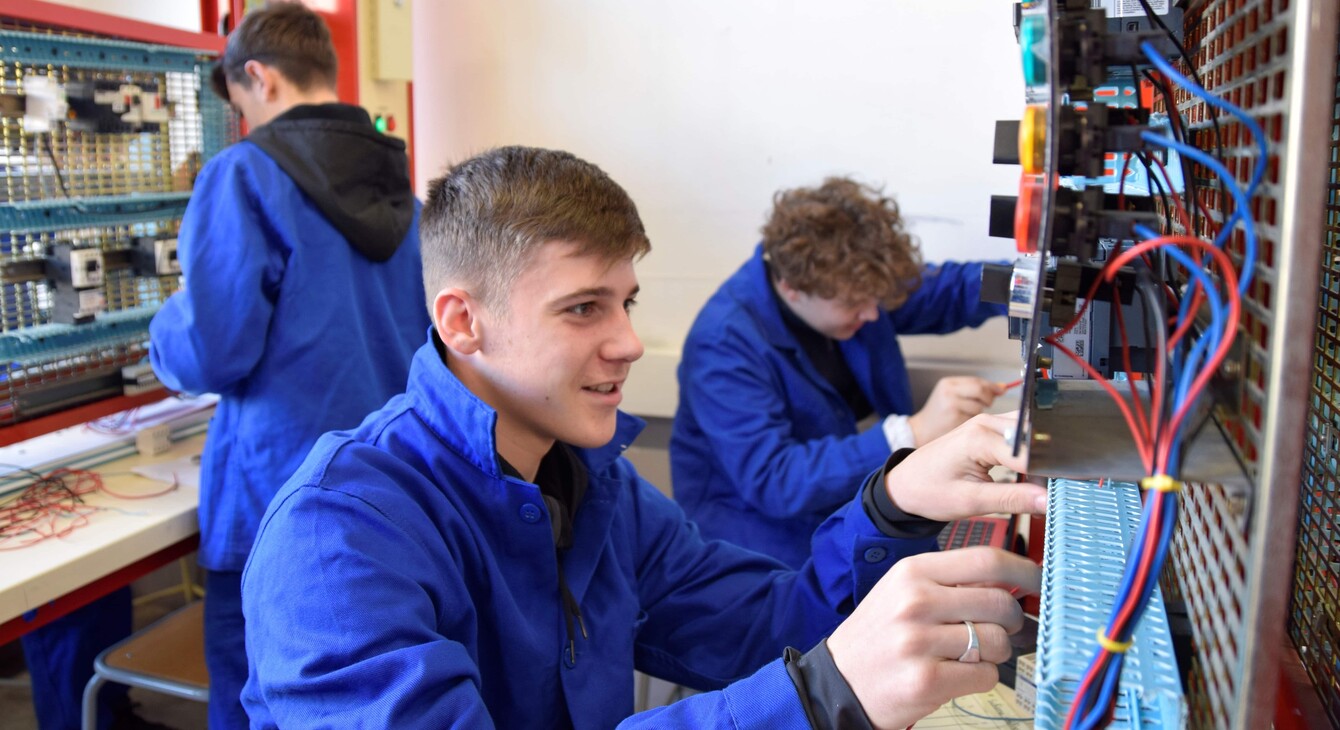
pixel 948 478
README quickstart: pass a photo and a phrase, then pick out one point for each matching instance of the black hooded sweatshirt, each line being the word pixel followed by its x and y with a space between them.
pixel 357 177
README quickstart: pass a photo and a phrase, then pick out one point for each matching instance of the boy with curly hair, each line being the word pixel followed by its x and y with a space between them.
pixel 796 350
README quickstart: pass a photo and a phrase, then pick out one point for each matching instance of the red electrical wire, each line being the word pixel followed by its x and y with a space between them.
pixel 1145 450
pixel 1125 613
pixel 1149 458
pixel 50 507
pixel 1142 572
pixel 1186 225
pixel 1119 625
pixel 1088 297
pixel 1197 295
pixel 117 424
pixel 1175 120
pixel 1141 419
pixel 1230 277
pixel 1177 202
pixel 1205 213
pixel 1143 447
pixel 1152 536
pixel 148 495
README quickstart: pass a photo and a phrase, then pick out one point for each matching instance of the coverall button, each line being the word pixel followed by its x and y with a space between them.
pixel 530 512
pixel 875 554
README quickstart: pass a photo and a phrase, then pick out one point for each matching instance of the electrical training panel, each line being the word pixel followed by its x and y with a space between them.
pixel 1177 303
pixel 101 140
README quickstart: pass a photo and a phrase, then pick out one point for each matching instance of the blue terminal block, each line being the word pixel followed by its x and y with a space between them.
pixel 46 343
pixel 1089 532
pixel 54 214
pixel 49 49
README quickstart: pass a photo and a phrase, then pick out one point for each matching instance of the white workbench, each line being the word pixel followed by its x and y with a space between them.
pixel 127 540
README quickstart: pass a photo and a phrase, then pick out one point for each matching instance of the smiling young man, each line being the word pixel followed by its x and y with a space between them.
pixel 797 350
pixel 478 553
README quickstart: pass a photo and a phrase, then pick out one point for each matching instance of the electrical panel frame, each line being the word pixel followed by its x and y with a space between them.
pixel 1233 552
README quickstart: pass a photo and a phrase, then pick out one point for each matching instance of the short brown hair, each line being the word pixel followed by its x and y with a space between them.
pixel 842 238
pixel 485 218
pixel 285 35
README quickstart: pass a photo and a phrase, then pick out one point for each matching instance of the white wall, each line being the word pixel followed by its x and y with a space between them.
pixel 703 108
pixel 183 14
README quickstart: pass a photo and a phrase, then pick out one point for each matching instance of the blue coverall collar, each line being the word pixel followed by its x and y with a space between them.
pixel 757 296
pixel 467 424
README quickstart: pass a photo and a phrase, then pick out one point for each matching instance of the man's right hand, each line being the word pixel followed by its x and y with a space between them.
pixel 952 401
pixel 899 650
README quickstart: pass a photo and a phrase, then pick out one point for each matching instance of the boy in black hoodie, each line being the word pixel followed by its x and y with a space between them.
pixel 303 300
pixel 302 306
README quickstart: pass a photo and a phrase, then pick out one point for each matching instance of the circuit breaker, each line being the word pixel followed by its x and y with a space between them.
pixel 77 283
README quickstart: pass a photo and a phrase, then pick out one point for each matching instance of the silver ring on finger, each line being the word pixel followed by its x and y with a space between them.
pixel 973 654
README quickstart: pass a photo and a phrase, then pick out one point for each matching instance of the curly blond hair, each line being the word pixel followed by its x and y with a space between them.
pixel 842 240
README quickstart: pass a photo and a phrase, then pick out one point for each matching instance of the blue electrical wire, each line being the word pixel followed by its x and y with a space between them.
pixel 1258 134
pixel 1217 311
pixel 1133 562
pixel 1092 662
pixel 1099 711
pixel 1169 525
pixel 1127 578
pixel 1207 342
pixel 1240 212
pixel 1175 449
pixel 1166 529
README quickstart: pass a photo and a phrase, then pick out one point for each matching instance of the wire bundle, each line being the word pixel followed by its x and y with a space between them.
pixel 117 424
pixel 1182 372
pixel 53 506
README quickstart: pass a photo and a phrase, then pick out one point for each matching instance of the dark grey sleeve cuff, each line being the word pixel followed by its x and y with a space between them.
pixel 827 698
pixel 886 515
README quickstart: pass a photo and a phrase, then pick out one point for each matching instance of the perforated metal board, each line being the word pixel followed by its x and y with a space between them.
pixel 1314 624
pixel 1231 558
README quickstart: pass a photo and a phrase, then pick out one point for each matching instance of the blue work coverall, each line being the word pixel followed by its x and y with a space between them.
pixel 763 447
pixel 402 579
pixel 299 332
pixel 302 321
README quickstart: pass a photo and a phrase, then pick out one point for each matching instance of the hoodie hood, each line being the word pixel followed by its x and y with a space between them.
pixel 357 177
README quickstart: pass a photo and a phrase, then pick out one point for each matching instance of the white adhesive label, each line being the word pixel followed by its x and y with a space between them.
pixel 1128 8
pixel 1077 340
pixel 91 301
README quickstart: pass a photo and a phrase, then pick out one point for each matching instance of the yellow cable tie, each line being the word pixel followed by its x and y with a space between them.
pixel 1116 647
pixel 1161 483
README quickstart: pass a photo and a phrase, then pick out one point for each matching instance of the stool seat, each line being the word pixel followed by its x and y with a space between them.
pixel 167 656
